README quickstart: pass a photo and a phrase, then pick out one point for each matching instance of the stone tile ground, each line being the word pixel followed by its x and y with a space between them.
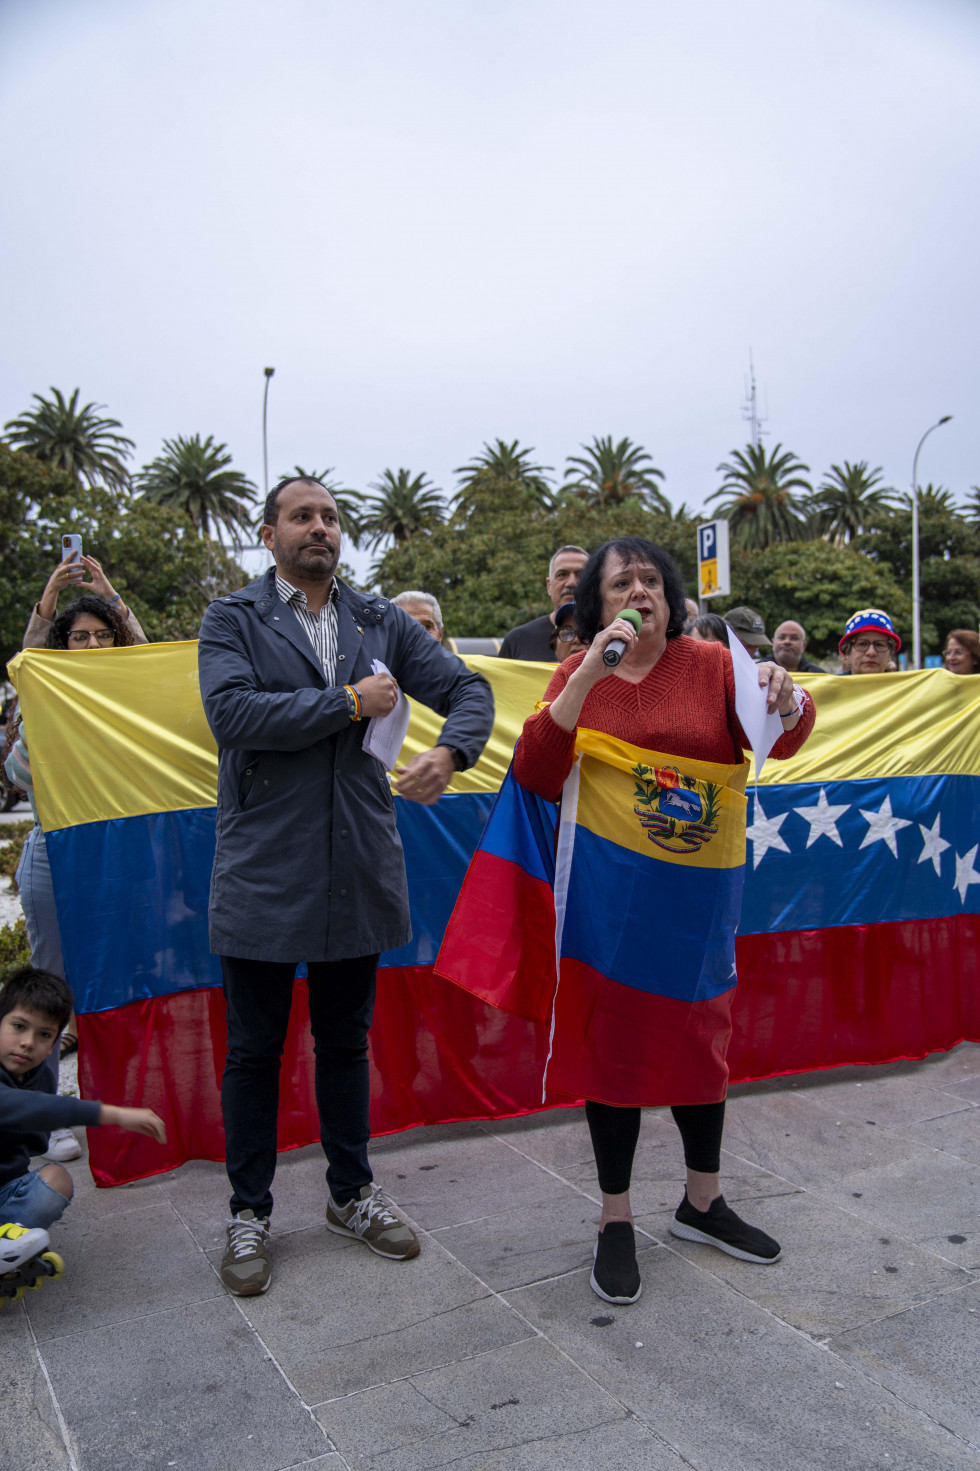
pixel 490 1353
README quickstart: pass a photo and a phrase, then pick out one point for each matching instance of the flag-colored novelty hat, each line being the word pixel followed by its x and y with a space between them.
pixel 870 620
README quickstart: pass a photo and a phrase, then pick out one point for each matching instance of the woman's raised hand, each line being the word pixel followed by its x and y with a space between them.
pixel 779 695
pixel 66 574
pixel 592 666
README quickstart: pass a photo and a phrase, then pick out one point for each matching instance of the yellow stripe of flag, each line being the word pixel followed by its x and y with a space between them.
pixel 656 805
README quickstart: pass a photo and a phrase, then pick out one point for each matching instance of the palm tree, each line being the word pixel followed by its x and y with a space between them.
pixel 609 474
pixel 404 505
pixel 73 439
pixel 933 499
pixel 973 505
pixel 347 510
pixel 192 476
pixel 761 507
pixel 502 463
pixel 847 502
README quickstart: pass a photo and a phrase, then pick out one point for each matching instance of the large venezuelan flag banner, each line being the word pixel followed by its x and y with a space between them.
pixel 858 940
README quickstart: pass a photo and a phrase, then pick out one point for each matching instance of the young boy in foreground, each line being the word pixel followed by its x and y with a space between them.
pixel 34 1006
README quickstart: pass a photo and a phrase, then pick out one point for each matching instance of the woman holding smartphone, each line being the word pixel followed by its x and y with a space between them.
pixel 99 619
pixel 70 573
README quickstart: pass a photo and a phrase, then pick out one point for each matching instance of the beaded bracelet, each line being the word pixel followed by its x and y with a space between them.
pixel 353 702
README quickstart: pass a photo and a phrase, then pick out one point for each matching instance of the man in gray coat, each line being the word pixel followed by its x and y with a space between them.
pixel 308 863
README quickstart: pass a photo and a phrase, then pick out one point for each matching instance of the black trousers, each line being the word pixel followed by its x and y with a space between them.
pixel 615 1132
pixel 259 995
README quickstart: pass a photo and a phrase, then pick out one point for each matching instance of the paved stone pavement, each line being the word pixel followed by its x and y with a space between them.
pixel 490 1353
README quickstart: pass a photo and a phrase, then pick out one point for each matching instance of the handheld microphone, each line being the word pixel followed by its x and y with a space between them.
pixel 616 647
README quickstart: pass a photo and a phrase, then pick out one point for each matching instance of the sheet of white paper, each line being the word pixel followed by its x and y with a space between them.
pixel 385 734
pixel 761 730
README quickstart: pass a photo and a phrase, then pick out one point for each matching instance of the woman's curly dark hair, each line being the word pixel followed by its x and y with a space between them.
pixel 633 550
pixel 89 602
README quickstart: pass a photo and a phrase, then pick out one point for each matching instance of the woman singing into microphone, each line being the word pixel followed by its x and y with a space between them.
pixel 673 697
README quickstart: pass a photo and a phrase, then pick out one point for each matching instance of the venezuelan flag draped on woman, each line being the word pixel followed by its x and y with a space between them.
pixel 647 757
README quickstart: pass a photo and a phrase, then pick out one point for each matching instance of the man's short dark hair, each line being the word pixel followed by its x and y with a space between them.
pixel 37 990
pixel 632 549
pixel 271 513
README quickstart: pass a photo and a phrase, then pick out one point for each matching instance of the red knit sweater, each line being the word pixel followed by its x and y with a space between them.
pixel 684 707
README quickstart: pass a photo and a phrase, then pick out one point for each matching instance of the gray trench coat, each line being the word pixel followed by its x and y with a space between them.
pixel 308 863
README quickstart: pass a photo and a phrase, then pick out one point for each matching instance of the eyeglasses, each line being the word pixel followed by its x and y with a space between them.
pixel 862 645
pixel 80 636
pixel 567 635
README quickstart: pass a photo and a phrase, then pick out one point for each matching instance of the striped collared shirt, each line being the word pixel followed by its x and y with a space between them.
pixel 320 628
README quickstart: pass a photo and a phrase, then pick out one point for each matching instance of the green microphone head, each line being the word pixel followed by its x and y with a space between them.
pixel 614 650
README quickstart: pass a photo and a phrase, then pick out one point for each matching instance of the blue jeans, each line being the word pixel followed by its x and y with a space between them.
pixel 33 879
pixel 30 1201
pixel 259 995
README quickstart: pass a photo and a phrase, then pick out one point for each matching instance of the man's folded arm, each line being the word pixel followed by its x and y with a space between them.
pixel 243 716
pixel 434 677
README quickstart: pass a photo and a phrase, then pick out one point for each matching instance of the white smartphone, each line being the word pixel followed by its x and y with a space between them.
pixel 71 551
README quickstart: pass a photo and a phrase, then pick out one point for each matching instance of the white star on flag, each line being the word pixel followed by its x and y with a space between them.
pixel 933 846
pixel 966 874
pixel 883 827
pixel 823 819
pixel 764 833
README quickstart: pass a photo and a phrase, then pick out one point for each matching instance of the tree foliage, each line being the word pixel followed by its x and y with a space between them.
pixel 163 569
pixel 972 509
pixel 760 506
pixel 403 506
pixel 488 571
pixel 609 474
pixel 849 501
pixel 949 564
pixel 499 466
pixel 59 433
pixel 193 477
pixel 818 585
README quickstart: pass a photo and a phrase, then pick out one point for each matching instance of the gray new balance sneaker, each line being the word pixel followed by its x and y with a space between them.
pixel 372 1220
pixel 245 1267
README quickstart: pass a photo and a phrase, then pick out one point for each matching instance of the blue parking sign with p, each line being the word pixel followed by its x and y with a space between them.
pixel 714 578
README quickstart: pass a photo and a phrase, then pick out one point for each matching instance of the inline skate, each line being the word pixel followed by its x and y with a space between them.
pixel 25 1261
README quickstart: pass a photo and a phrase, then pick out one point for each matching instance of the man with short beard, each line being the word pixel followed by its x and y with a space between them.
pixel 308 865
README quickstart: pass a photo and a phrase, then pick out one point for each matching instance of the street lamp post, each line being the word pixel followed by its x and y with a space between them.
pixel 265 435
pixel 916 599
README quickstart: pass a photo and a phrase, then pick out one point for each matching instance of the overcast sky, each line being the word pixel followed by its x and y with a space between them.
pixel 448 220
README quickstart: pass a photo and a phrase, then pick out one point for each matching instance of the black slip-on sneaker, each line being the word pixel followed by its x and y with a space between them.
pixel 615 1275
pixel 720 1226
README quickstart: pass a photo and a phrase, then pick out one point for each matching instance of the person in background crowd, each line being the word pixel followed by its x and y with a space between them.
pixel 692 612
pixel 71 575
pixel 533 640
pixel 91 622
pixel 308 864
pixel 962 652
pixel 710 628
pixel 566 635
pixel 424 608
pixel 868 643
pixel 788 644
pixel 749 628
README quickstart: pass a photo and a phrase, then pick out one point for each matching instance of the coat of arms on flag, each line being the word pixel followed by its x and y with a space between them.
pixel 677 812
